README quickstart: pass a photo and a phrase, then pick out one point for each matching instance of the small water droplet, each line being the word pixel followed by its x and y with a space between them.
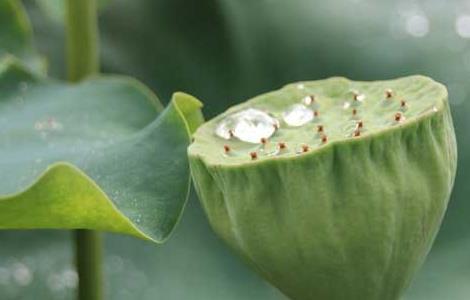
pixel 297 115
pixel 346 105
pixel 300 86
pixel 359 97
pixel 249 125
pixel 308 100
pixel 22 274
pixel 269 149
pixel 70 278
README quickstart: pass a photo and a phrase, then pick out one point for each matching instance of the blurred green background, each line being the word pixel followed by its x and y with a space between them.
pixel 224 51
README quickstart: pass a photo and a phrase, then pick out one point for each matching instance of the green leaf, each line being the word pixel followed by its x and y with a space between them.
pixel 16 35
pixel 92 155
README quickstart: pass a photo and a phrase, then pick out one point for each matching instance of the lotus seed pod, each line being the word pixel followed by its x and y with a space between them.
pixel 348 207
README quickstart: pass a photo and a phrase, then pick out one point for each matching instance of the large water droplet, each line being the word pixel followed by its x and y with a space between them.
pixel 249 125
pixel 297 115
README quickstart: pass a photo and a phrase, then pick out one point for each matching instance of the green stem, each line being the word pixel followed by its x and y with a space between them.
pixel 82 39
pixel 82 61
pixel 88 252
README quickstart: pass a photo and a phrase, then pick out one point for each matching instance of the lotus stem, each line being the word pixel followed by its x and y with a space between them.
pixel 82 61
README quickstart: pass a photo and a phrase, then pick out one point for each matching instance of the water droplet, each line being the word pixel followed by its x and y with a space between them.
pixel 346 105
pixel 297 115
pixel 417 25
pixel 308 100
pixel 22 274
pixel 70 278
pixel 249 125
pixel 300 86
pixel 272 149
pixel 358 97
pixel 462 26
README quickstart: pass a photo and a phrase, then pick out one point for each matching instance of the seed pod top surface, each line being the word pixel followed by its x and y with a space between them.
pixel 306 117
pixel 330 189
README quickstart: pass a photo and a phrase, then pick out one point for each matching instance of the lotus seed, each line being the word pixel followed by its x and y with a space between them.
pixel 253 155
pixel 398 117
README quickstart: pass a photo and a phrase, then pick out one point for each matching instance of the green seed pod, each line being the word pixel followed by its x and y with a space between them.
pixel 330 189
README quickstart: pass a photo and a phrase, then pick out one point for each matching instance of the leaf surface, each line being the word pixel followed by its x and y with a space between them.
pixel 92 155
